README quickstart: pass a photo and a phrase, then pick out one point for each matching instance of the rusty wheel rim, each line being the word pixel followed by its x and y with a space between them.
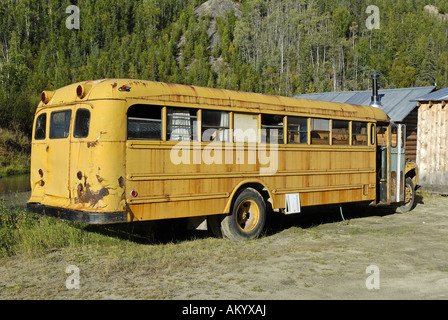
pixel 247 215
pixel 408 193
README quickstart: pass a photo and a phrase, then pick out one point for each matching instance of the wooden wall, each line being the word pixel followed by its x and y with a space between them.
pixel 432 144
pixel 411 122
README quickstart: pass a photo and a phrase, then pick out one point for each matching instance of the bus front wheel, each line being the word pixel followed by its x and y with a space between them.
pixel 247 216
pixel 409 197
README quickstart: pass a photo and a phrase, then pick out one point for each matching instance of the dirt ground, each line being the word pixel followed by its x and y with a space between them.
pixel 318 254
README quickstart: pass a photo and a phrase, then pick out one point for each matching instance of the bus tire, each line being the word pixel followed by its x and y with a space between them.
pixel 247 216
pixel 409 196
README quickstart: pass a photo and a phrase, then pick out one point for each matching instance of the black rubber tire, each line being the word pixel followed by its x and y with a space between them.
pixel 408 206
pixel 235 227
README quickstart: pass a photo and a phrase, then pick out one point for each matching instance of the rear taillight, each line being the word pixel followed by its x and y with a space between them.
pixel 80 91
pixel 134 193
pixel 79 175
pixel 41 175
pixel 46 96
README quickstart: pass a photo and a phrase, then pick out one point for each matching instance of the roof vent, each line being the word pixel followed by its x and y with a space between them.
pixel 375 101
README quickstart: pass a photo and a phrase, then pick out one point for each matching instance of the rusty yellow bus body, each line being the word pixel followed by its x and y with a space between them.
pixel 86 167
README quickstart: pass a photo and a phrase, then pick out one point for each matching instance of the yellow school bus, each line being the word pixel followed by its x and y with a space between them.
pixel 124 150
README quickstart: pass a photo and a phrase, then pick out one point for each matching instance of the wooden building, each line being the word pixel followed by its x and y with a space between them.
pixel 432 141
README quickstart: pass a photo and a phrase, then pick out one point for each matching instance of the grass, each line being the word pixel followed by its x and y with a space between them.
pixel 15 150
pixel 24 233
pixel 116 250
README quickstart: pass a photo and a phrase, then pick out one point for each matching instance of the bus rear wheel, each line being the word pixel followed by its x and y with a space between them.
pixel 409 197
pixel 247 218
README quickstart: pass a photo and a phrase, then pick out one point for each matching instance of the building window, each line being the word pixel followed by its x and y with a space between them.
pixel 215 125
pixel 320 131
pixel 180 124
pixel 60 124
pixel 271 128
pixel 41 127
pixel 340 132
pixel 144 122
pixel 297 130
pixel 82 123
pixel 359 133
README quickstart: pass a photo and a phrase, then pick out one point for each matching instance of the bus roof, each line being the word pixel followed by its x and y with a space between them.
pixel 160 93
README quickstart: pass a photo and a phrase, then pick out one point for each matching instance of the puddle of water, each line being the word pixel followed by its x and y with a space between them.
pixel 15 184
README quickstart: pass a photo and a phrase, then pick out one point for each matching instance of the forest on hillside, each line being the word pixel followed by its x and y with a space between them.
pixel 280 47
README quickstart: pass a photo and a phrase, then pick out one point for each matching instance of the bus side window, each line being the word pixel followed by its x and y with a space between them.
pixel 393 137
pixel 297 130
pixel 340 132
pixel 272 128
pixel 82 123
pixel 359 133
pixel 144 122
pixel 320 131
pixel 215 125
pixel 41 127
pixel 60 124
pixel 245 128
pixel 180 124
pixel 372 134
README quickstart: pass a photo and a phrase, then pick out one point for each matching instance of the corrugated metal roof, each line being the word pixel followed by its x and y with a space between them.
pixel 438 95
pixel 397 103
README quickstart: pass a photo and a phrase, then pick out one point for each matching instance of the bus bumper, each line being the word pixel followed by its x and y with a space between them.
pixel 78 216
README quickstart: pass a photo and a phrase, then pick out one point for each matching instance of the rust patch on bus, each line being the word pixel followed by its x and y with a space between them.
pixel 92 144
pixel 121 182
pixel 85 195
pixel 114 85
pixel 393 183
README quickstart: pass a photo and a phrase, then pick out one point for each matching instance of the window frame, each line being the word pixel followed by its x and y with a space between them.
pixel 44 127
pixel 193 118
pixel 333 134
pixel 76 123
pixel 299 132
pixel 221 130
pixel 366 135
pixel 51 133
pixel 248 133
pixel 153 120
pixel 269 127
pixel 312 130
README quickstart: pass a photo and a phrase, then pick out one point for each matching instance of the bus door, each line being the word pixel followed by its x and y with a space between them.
pixel 390 163
pixel 58 153
pixel 397 162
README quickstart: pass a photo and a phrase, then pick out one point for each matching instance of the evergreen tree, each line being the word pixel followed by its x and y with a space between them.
pixel 279 46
